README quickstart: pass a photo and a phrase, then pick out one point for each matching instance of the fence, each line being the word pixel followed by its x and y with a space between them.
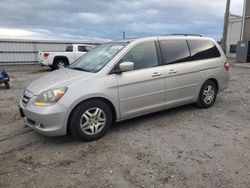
pixel 19 51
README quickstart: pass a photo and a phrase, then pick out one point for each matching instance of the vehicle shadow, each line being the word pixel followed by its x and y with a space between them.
pixel 2 87
pixel 120 126
pixel 42 70
pixel 152 117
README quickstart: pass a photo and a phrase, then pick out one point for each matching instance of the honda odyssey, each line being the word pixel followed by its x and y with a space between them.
pixel 125 79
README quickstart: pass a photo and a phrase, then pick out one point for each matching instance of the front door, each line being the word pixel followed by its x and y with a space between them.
pixel 142 89
pixel 81 50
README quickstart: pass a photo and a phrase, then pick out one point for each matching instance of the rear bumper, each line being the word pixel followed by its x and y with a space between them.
pixel 224 81
pixel 44 62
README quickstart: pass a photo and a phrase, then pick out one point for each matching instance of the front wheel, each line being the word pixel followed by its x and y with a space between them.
pixel 207 94
pixel 90 120
pixel 7 85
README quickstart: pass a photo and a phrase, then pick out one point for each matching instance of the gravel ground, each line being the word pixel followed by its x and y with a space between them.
pixel 181 147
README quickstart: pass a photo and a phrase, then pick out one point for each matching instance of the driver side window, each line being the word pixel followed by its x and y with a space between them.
pixel 143 56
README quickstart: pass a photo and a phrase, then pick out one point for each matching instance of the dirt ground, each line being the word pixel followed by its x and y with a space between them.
pixel 181 147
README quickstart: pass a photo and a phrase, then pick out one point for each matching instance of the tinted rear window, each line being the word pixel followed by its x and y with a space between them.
pixel 69 48
pixel 82 49
pixel 174 51
pixel 203 49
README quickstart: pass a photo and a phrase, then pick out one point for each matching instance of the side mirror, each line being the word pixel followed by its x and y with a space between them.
pixel 126 66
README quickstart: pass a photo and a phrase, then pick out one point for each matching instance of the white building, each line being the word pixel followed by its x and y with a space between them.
pixel 233 35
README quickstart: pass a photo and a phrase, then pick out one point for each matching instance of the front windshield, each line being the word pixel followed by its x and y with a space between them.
pixel 96 59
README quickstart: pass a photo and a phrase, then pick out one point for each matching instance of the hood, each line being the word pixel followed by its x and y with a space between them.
pixel 56 79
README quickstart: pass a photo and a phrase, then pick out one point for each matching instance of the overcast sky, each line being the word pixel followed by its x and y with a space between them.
pixel 80 19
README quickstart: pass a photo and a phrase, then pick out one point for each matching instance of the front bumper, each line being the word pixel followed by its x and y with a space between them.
pixel 49 121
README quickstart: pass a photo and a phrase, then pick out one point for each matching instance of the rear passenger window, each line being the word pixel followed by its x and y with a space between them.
pixel 143 56
pixel 203 49
pixel 174 51
pixel 69 48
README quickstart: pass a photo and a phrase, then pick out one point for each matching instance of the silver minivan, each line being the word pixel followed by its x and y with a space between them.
pixel 122 80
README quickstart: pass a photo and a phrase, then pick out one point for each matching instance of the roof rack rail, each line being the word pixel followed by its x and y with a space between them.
pixel 199 35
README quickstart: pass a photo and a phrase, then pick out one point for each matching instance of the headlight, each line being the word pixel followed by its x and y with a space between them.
pixel 50 97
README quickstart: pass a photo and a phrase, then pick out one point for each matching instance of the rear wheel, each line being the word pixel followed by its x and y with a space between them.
pixel 208 94
pixel 60 63
pixel 90 120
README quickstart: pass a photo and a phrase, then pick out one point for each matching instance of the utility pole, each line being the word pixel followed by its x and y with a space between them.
pixel 123 34
pixel 243 21
pixel 226 17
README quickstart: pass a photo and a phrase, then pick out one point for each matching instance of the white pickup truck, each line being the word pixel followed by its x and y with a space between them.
pixel 57 60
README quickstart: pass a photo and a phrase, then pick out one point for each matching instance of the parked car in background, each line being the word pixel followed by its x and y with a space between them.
pixel 57 60
pixel 125 79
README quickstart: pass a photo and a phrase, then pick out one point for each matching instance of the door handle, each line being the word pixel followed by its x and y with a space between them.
pixel 156 74
pixel 172 71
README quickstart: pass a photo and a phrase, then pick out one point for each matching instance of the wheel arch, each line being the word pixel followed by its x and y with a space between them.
pixel 65 58
pixel 215 81
pixel 107 101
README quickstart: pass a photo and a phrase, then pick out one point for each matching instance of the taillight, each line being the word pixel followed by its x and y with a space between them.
pixel 226 66
pixel 46 54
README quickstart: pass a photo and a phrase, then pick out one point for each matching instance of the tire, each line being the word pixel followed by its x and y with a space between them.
pixel 7 85
pixel 85 125
pixel 207 95
pixel 59 63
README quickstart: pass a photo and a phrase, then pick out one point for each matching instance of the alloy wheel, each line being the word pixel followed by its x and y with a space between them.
pixel 92 121
pixel 208 94
pixel 60 65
